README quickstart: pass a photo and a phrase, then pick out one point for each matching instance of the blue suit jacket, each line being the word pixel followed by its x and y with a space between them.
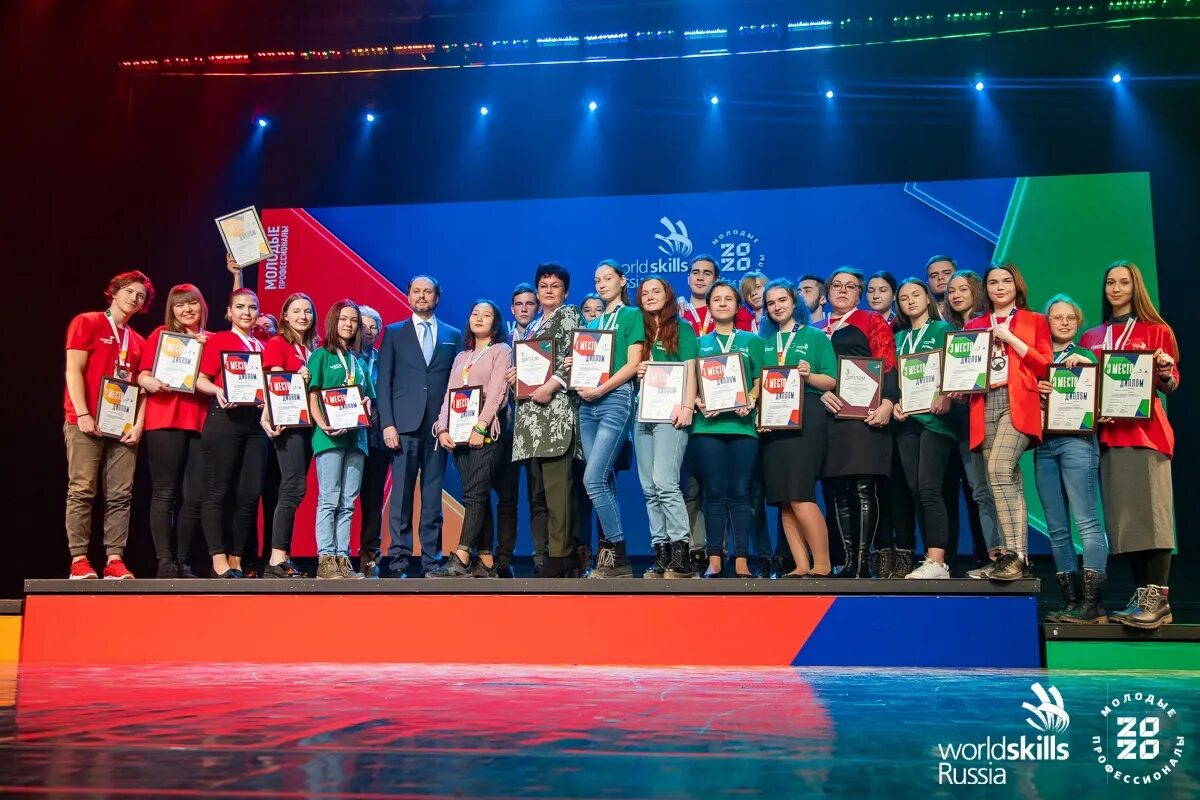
pixel 409 391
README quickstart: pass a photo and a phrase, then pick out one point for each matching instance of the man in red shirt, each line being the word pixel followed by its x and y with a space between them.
pixel 100 344
pixel 704 271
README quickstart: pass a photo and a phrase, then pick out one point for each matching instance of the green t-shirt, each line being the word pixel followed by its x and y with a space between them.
pixel 626 323
pixel 931 337
pixel 808 344
pixel 751 348
pixel 687 346
pixel 328 372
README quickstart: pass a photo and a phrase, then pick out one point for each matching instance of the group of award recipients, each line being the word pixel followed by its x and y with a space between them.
pixel 734 398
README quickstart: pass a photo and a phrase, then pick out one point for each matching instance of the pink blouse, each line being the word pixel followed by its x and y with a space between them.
pixel 488 372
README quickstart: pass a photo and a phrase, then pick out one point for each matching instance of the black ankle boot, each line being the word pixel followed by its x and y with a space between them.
pixel 560 567
pixel 1155 610
pixel 611 562
pixel 883 563
pixel 1089 610
pixel 662 558
pixel 680 565
pixel 903 564
pixel 1069 583
pixel 168 568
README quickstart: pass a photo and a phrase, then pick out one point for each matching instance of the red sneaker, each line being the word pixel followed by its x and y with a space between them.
pixel 81 569
pixel 116 570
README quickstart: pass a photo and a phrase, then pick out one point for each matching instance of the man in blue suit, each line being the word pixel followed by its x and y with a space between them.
pixel 414 368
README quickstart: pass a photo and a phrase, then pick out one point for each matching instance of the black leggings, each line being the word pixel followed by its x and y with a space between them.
pixel 1150 566
pixel 293 447
pixel 370 499
pixel 235 456
pixel 177 487
pixel 478 470
pixel 925 456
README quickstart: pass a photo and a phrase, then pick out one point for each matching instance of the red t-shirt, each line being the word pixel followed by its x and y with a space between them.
pixel 223 342
pixel 167 409
pixel 281 355
pixel 1155 433
pixel 92 332
pixel 702 322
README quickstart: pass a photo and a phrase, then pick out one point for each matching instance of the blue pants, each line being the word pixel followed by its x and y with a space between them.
pixel 1067 472
pixel 339 479
pixel 726 462
pixel 418 454
pixel 603 427
pixel 659 447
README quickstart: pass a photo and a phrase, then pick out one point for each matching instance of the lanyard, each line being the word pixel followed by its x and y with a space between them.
pixel 725 348
pixel 253 345
pixel 702 322
pixel 1062 354
pixel 123 336
pixel 301 353
pixel 471 362
pixel 538 323
pixel 608 321
pixel 351 368
pixel 754 324
pixel 1012 312
pixel 911 343
pixel 782 347
pixel 1123 339
pixel 831 329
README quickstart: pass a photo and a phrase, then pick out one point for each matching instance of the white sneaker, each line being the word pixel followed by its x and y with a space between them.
pixel 930 570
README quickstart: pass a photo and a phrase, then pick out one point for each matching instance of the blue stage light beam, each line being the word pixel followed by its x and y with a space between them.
pixel 263 122
pixel 714 99
pixel 829 94
pixel 483 111
pixel 370 117
pixel 593 105
pixel 1116 78
pixel 979 87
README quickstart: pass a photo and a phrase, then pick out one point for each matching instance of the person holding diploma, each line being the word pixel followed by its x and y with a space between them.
pixel 606 412
pixel 924 440
pixel 100 344
pixel 1007 420
pixel 725 443
pixel 174 421
pixel 288 351
pixel 546 432
pixel 1066 471
pixel 660 446
pixel 591 308
pixel 234 445
pixel 1135 455
pixel 339 452
pixel 860 451
pixel 483 362
pixel 379 458
pixel 792 460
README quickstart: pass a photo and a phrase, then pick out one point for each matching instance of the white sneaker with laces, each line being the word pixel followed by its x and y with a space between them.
pixel 930 570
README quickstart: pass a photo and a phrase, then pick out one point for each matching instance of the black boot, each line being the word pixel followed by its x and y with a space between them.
pixel 699 562
pixel 662 558
pixel 680 565
pixel 863 512
pixel 1069 583
pixel 611 561
pixel 903 564
pixel 883 563
pixel 844 520
pixel 1089 611
pixel 168 568
pixel 560 567
pixel 1155 610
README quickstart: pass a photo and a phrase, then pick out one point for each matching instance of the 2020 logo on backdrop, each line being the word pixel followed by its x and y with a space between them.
pixel 1142 743
pixel 737 251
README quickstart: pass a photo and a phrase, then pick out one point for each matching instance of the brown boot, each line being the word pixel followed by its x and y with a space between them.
pixel 328 568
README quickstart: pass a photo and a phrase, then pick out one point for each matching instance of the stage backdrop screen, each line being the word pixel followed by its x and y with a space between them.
pixel 1062 231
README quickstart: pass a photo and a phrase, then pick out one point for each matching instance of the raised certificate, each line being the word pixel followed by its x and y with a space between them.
pixel 465 405
pixel 1126 384
pixel 723 382
pixel 243 377
pixel 244 236
pixel 116 410
pixel 344 407
pixel 663 388
pixel 287 400
pixel 860 385
pixel 1071 405
pixel 966 361
pixel 591 358
pixel 781 401
pixel 534 360
pixel 177 361
pixel 920 377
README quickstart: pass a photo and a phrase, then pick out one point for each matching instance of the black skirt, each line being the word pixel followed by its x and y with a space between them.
pixel 792 461
pixel 855 448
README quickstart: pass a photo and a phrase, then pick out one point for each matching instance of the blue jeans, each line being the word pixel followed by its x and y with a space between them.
pixel 339 478
pixel 659 447
pixel 1067 472
pixel 603 426
pixel 726 463
pixel 981 491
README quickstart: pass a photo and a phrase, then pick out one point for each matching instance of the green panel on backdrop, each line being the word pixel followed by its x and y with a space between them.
pixel 1063 232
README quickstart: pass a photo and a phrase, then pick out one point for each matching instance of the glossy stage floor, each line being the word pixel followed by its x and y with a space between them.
pixel 412 731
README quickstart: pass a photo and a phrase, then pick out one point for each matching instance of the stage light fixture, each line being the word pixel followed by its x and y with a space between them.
pixel 829 94
pixel 592 106
pixel 714 99
pixel 1116 78
pixel 483 111
pixel 979 86
pixel 262 122
pixel 370 117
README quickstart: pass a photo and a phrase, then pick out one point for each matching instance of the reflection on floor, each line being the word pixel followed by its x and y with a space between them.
pixel 328 731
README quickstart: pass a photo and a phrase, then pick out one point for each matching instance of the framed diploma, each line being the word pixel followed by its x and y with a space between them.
pixel 663 388
pixel 723 382
pixel 344 407
pixel 1071 406
pixel 591 358
pixel 465 405
pixel 177 361
pixel 1126 384
pixel 116 409
pixel 287 400
pixel 966 362
pixel 781 401
pixel 534 360
pixel 920 377
pixel 244 237
pixel 243 377
pixel 860 385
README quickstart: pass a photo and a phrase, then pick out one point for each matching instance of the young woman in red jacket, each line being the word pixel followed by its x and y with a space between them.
pixel 1135 455
pixel 1008 419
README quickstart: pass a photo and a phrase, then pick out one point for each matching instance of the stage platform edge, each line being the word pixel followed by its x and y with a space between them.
pixel 1119 648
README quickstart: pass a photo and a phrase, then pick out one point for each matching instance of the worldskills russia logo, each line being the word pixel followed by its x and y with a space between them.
pixel 675 245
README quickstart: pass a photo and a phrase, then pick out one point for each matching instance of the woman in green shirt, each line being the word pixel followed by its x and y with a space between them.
pixel 340 453
pixel 925 441
pixel 725 443
pixel 792 460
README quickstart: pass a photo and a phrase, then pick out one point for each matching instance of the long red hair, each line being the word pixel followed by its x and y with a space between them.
pixel 662 325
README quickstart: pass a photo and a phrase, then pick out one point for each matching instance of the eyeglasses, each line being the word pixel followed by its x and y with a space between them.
pixel 1063 318
pixel 549 287
pixel 849 287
